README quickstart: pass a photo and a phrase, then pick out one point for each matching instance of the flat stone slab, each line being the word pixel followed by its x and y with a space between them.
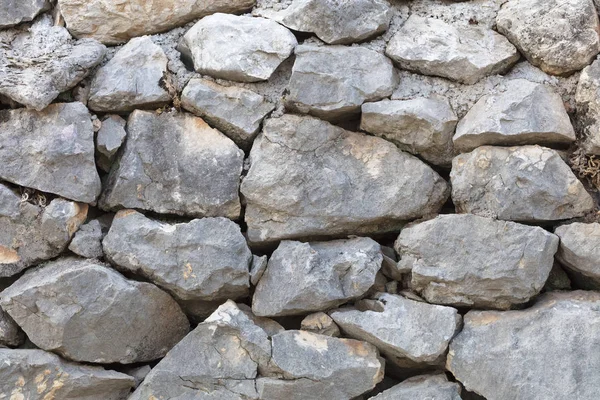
pixel 579 250
pixel 435 387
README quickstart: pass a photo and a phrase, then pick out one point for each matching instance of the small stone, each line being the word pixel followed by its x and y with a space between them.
pixel 320 323
pixel 137 373
pixel 257 269
pixel 579 251
pixel 434 387
pixel 10 333
pixel 587 99
pixel 558 279
pixel 109 139
pixel 14 12
pixel 87 241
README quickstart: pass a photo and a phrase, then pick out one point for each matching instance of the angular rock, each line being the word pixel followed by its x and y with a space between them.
pixel 50 150
pixel 464 54
pixel 238 48
pixel 409 333
pixel 557 36
pixel 362 184
pixel 332 82
pixel 556 341
pixel 112 21
pixel 39 63
pixel 587 99
pixel 109 139
pixel 434 387
pixel 175 163
pixel 257 269
pixel 557 280
pixel 525 113
pixel 306 277
pixel 201 263
pixel 527 183
pixel 320 323
pixel 579 250
pixel 132 79
pixel 422 126
pixel 14 12
pixel 87 241
pixel 85 311
pixel 137 373
pixel 10 333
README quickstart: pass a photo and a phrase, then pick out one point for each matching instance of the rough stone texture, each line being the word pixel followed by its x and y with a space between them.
pixel 468 260
pixel 50 150
pixel 306 277
pixel 409 333
pixel 320 323
pixel 10 333
pixel 87 241
pixel 238 48
pixel 558 279
pixel 36 374
pixel 201 263
pixel 137 373
pixel 422 387
pixel 88 312
pixel 588 107
pixel 132 79
pixel 257 269
pixel 113 21
pixel 579 250
pixel 39 63
pixel 13 12
pixel 527 183
pixel 422 126
pixel 311 179
pixel 195 172
pixel 558 36
pixel 525 113
pixel 498 354
pixel 332 82
pixel 462 53
pixel 235 111
pixel 109 139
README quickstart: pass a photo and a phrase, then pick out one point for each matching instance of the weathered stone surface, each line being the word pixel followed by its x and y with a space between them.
pixel 257 269
pixel 409 333
pixel 587 98
pixel 131 79
pixel 87 241
pixel 434 387
pixel 525 113
pixel 31 233
pixel 235 111
pixel 175 163
pixel 549 351
pixel 527 183
pixel 112 21
pixel 137 373
pixel 306 277
pixel 422 126
pixel 579 250
pixel 88 312
pixel 238 48
pixel 14 12
pixel 557 280
pixel 109 139
pixel 39 63
pixel 335 22
pixel 320 323
pixel 464 54
pixel 201 263
pixel 10 333
pixel 555 35
pixel 332 82
pixel 468 260
pixel 50 150
pixel 37 374
pixel 309 178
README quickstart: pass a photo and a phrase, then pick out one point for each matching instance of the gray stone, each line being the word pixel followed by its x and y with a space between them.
pixel 525 113
pixel 132 79
pixel 464 54
pixel 332 82
pixel 579 250
pixel 235 111
pixel 548 351
pixel 310 179
pixel 420 126
pixel 85 311
pixel 558 279
pixel 238 48
pixel 473 261
pixel 307 277
pixel 320 323
pixel 137 373
pixel 422 387
pixel 50 150
pixel 408 333
pixel 201 263
pixel 588 107
pixel 87 241
pixel 557 36
pixel 527 183
pixel 10 333
pixel 257 269
pixel 109 139
pixel 13 12
pixel 175 163
pixel 39 63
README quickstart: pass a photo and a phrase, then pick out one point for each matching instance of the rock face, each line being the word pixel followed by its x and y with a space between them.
pixel 201 263
pixel 525 113
pixel 50 150
pixel 237 48
pixel 467 260
pixel 109 139
pixel 112 21
pixel 14 12
pixel 434 387
pixel 39 63
pixel 462 53
pixel 527 183
pixel 10 333
pixel 320 323
pixel 131 79
pixel 420 126
pixel 87 312
pixel 409 333
pixel 558 332
pixel 87 241
pixel 332 82
pixel 195 172
pixel 579 250
pixel 362 184
pixel 307 277
pixel 557 36
pixel 587 99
